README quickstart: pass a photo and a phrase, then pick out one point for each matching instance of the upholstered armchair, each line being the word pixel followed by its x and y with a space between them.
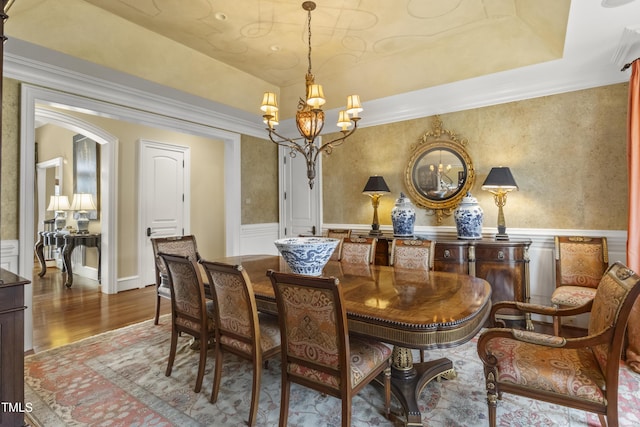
pixel 580 263
pixel 582 372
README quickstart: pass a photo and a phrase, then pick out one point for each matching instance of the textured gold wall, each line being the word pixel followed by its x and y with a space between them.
pixel 567 153
pixel 10 160
pixel 259 169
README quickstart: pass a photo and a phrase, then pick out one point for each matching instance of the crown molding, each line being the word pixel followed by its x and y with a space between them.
pixel 43 67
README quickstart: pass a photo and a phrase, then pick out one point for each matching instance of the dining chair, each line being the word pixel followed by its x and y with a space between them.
pixel 341 234
pixel 173 245
pixel 580 373
pixel 358 250
pixel 191 313
pixel 240 329
pixel 412 254
pixel 317 351
pixel 580 263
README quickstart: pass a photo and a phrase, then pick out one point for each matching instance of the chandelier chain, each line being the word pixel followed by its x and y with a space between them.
pixel 309 32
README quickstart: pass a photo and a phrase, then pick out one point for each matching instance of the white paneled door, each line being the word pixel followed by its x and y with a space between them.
pixel 301 205
pixel 163 176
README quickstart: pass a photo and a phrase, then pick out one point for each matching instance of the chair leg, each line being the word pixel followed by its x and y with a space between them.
pixel 284 400
pixel 421 356
pixel 202 362
pixel 611 419
pixel 492 403
pixel 556 326
pixel 387 391
pixel 217 372
pixel 172 351
pixel 346 411
pixel 255 391
pixel 155 321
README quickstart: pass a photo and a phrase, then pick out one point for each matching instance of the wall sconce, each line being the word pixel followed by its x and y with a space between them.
pixel 499 182
pixel 83 202
pixel 59 204
pixel 375 188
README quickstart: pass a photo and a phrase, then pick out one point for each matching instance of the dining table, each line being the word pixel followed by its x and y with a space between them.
pixel 408 309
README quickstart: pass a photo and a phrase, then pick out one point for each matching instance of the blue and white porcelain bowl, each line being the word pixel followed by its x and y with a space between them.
pixel 306 255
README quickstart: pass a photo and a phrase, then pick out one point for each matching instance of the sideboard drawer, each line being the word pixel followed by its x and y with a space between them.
pixel 499 253
pixel 452 257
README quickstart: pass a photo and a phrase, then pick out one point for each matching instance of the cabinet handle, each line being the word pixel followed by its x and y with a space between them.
pixel 500 255
pixel 447 253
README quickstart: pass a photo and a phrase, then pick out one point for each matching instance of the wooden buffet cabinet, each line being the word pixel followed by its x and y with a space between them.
pixel 502 263
pixel 11 348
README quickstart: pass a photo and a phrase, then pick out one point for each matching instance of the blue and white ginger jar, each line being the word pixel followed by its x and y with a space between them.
pixel 468 218
pixel 403 217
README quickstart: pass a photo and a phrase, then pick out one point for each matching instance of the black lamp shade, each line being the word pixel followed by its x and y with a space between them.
pixel 376 185
pixel 500 178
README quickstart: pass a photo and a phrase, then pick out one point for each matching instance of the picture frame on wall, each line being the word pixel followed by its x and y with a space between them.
pixel 86 179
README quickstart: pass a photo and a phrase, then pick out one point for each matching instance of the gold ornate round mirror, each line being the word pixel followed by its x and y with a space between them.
pixel 440 171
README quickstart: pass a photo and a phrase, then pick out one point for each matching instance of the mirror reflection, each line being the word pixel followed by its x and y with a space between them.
pixel 439 173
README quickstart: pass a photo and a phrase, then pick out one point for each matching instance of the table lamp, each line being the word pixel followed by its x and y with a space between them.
pixel 499 182
pixel 59 204
pixel 83 202
pixel 375 188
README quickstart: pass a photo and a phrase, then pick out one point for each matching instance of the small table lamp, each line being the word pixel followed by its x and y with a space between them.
pixel 83 202
pixel 499 182
pixel 375 188
pixel 59 204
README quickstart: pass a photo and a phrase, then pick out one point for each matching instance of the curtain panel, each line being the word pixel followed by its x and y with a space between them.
pixel 633 229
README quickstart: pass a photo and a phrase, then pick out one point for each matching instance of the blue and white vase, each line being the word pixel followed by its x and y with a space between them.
pixel 468 216
pixel 403 217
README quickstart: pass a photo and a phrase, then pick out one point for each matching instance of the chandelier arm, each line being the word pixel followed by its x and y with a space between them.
pixel 338 141
pixel 284 141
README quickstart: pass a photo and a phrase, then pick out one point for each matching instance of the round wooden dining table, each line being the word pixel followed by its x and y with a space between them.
pixel 410 309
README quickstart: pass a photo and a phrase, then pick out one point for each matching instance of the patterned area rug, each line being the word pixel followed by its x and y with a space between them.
pixel 117 379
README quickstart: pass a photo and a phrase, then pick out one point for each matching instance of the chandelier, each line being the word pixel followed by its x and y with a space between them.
pixel 310 117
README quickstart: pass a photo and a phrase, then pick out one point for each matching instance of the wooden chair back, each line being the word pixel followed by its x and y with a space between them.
pixel 187 294
pixel 412 254
pixel 190 312
pixel 341 234
pixel 239 329
pixel 580 261
pixel 358 250
pixel 338 233
pixel 173 245
pixel 316 348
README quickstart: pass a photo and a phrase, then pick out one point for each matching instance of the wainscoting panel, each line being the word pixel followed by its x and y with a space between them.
pixel 9 250
pixel 259 238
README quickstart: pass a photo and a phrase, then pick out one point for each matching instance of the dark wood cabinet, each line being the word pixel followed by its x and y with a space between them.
pixel 502 263
pixel 12 348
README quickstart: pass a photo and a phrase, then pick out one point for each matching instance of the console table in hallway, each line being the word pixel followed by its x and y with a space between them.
pixel 67 242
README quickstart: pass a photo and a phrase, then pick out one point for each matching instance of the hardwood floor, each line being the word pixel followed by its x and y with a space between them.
pixel 63 315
